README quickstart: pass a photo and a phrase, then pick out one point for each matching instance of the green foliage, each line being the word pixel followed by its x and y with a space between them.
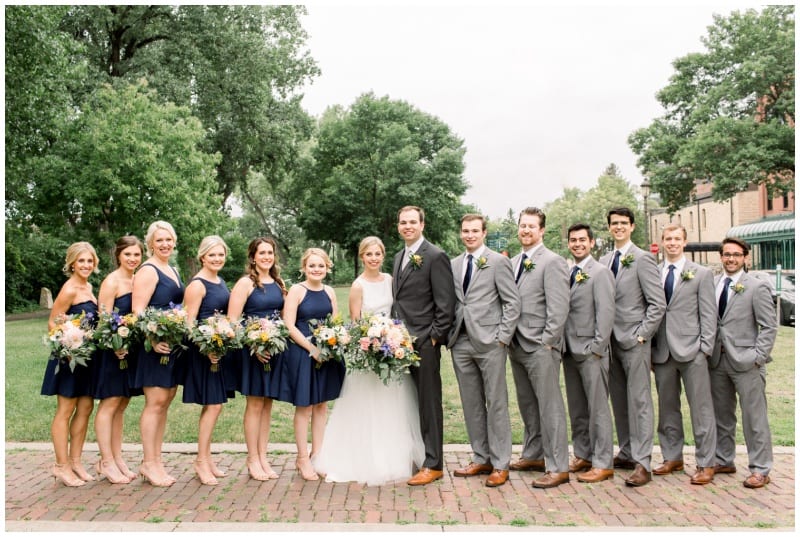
pixel 372 159
pixel 591 207
pixel 729 112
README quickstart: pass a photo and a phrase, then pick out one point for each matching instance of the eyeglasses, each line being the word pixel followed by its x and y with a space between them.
pixel 732 255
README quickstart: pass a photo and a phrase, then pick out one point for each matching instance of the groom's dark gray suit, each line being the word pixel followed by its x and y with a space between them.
pixel 486 317
pixel 424 299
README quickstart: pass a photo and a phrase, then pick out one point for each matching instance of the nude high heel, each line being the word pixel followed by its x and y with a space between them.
pixel 146 475
pixel 204 473
pixel 303 465
pixel 255 470
pixel 110 471
pixel 64 473
pixel 79 470
pixel 124 469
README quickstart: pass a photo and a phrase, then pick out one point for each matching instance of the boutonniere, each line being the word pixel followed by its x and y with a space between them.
pixel 687 275
pixel 738 288
pixel 528 265
pixel 627 261
pixel 482 263
pixel 416 260
pixel 581 276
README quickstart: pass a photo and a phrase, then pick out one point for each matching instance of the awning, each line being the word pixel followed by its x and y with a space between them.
pixel 765 229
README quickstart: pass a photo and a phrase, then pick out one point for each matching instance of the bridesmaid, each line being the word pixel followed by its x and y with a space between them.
pixel 206 294
pixel 110 384
pixel 72 388
pixel 259 293
pixel 297 380
pixel 156 284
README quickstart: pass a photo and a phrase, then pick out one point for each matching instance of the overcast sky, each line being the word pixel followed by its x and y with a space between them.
pixel 544 97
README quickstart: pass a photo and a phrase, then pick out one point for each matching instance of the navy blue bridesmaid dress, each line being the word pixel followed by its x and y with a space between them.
pixel 149 369
pixel 77 383
pixel 264 301
pixel 108 379
pixel 297 380
pixel 203 386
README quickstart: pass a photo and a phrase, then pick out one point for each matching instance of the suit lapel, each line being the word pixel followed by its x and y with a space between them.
pixel 410 266
pixel 732 295
pixel 458 268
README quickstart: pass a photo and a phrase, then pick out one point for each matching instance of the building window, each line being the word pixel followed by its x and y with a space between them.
pixel 679 220
pixel 705 224
pixel 691 221
pixel 785 200
pixel 769 204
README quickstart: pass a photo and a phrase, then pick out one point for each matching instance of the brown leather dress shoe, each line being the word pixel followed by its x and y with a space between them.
pixel 756 480
pixel 639 477
pixel 667 467
pixel 579 465
pixel 595 475
pixel 497 478
pixel 473 468
pixel 722 469
pixel 551 479
pixel 425 476
pixel 623 464
pixel 527 465
pixel 703 476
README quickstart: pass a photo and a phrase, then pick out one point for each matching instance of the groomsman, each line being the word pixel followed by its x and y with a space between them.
pixel 745 336
pixel 424 299
pixel 683 343
pixel 640 306
pixel 587 335
pixel 543 281
pixel 487 309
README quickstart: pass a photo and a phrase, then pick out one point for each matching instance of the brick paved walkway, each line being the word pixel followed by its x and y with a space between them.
pixel 34 503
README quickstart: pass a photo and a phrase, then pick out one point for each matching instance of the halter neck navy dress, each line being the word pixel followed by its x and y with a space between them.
pixel 297 379
pixel 149 370
pixel 68 383
pixel 264 301
pixel 108 379
pixel 203 386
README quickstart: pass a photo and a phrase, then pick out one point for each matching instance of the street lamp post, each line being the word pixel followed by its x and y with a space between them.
pixel 645 186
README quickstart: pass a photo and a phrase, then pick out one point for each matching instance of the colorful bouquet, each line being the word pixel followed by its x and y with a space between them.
pixel 116 332
pixel 332 337
pixel 265 337
pixel 384 347
pixel 167 325
pixel 71 340
pixel 216 335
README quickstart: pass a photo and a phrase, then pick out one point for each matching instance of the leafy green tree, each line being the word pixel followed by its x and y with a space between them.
pixel 591 207
pixel 125 161
pixel 372 159
pixel 729 111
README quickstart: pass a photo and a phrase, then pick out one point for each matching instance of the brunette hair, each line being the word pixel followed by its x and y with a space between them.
pixel 474 216
pixel 738 242
pixel 412 208
pixel 274 271
pixel 123 242
pixel 534 211
pixel 620 211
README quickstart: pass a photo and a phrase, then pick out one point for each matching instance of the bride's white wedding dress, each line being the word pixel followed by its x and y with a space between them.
pixel 373 434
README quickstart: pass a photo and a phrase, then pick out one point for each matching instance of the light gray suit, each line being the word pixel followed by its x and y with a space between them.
pixel 640 305
pixel 683 343
pixel 587 334
pixel 535 354
pixel 485 319
pixel 745 337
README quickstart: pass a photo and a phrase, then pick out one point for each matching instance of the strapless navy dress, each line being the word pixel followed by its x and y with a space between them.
pixel 266 301
pixel 108 379
pixel 68 383
pixel 149 369
pixel 297 380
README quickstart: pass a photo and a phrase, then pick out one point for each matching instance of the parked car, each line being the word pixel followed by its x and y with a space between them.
pixel 787 292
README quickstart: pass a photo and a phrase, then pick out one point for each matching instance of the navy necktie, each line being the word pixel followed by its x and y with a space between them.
pixel 575 270
pixel 521 266
pixel 468 275
pixel 723 298
pixel 669 283
pixel 615 263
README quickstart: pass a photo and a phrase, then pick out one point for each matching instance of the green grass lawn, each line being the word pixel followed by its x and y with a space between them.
pixel 28 414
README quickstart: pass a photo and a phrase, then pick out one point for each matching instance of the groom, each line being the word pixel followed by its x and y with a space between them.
pixel 424 299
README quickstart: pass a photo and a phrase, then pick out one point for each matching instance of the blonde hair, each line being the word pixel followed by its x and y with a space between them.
pixel 366 242
pixel 155 226
pixel 315 251
pixel 208 243
pixel 74 251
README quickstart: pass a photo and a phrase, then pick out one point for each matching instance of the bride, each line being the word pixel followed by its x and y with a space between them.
pixel 373 434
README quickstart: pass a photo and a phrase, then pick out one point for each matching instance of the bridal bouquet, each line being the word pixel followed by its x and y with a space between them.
pixel 384 347
pixel 71 340
pixel 167 325
pixel 116 332
pixel 265 337
pixel 216 335
pixel 332 337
